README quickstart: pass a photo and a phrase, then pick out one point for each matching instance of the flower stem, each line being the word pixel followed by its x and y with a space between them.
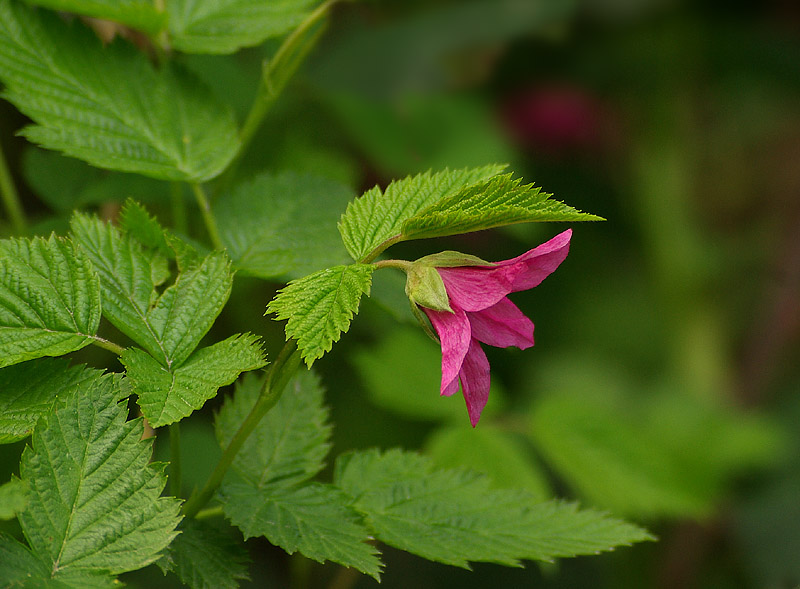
pixel 8 193
pixel 107 345
pixel 175 459
pixel 281 370
pixel 208 217
pixel 275 75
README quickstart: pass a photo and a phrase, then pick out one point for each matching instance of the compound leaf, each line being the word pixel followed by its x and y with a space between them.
pixel 49 299
pixel 167 396
pixel 268 493
pixel 320 306
pixel 454 516
pixel 108 105
pixel 379 215
pixel 94 497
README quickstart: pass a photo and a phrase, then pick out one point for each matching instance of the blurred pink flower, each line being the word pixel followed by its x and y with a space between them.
pixel 482 313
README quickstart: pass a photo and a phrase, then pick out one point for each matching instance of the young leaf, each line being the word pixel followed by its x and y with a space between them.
pixel 500 201
pixel 28 391
pixel 320 306
pixel 168 326
pixel 13 498
pixel 144 228
pixel 138 14
pixel 169 395
pixel 378 216
pixel 204 558
pixel 94 497
pixel 49 299
pixel 455 517
pixel 109 106
pixel 267 493
pixel 224 26
pixel 276 225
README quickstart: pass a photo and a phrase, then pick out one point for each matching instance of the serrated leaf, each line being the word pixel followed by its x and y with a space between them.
pixel 28 391
pixel 267 493
pixel 94 497
pixel 108 105
pixel 500 201
pixel 49 299
pixel 224 26
pixel 139 14
pixel 455 517
pixel 144 227
pixel 290 442
pixel 13 498
pixel 168 326
pixel 204 558
pixel 167 396
pixel 278 225
pixel 314 519
pixel 379 215
pixel 320 306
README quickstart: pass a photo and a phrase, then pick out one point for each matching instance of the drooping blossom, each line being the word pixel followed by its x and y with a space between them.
pixel 473 308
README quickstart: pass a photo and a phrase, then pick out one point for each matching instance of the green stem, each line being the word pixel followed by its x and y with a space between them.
pixel 380 248
pixel 208 217
pixel 281 370
pixel 175 481
pixel 178 206
pixel 403 265
pixel 107 345
pixel 210 512
pixel 11 202
pixel 275 75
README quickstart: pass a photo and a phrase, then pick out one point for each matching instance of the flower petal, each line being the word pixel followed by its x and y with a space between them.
pixel 477 287
pixel 454 333
pixel 537 264
pixel 502 325
pixel 475 381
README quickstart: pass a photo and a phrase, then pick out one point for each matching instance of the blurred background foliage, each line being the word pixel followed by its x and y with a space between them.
pixel 664 383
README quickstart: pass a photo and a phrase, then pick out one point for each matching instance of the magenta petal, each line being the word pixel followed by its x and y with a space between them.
pixel 450 389
pixel 477 287
pixel 454 334
pixel 537 264
pixel 475 381
pixel 502 325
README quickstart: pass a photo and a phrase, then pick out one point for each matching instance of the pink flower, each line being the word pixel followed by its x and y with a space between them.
pixel 482 313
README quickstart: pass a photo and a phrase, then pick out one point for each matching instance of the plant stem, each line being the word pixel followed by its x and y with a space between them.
pixel 175 481
pixel 281 370
pixel 208 217
pixel 380 248
pixel 107 345
pixel 275 75
pixel 178 206
pixel 8 193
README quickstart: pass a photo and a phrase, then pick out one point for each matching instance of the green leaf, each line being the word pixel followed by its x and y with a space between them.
pixel 455 517
pixel 108 105
pixel 267 492
pixel 28 391
pixel 320 306
pixel 49 299
pixel 378 215
pixel 167 396
pixel 223 26
pixel 500 201
pixel 94 497
pixel 277 225
pixel 291 441
pixel 143 227
pixel 491 451
pixel 169 326
pixel 18 565
pixel 138 14
pixel 13 498
pixel 204 558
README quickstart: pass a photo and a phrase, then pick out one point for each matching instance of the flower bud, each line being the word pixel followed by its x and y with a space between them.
pixel 425 287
